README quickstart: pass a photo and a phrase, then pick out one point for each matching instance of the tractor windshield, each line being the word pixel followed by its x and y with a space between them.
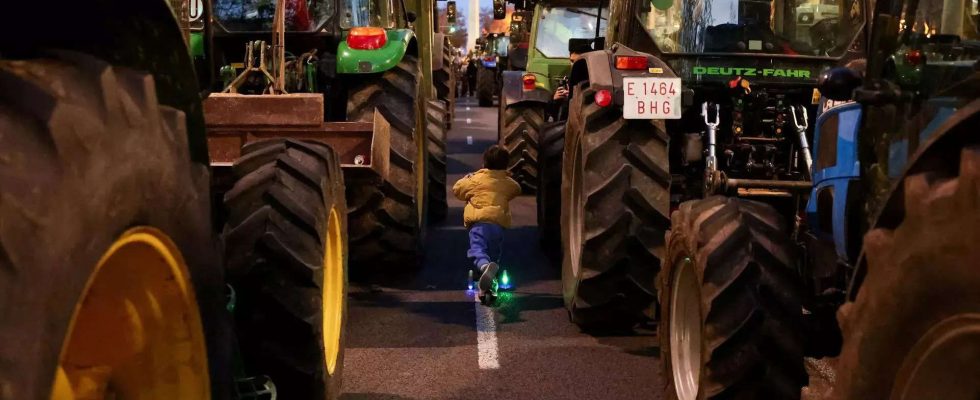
pixel 257 15
pixel 377 13
pixel 558 24
pixel 786 27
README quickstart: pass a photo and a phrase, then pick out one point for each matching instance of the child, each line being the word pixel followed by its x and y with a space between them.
pixel 487 194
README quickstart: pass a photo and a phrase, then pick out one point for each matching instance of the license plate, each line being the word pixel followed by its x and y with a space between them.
pixel 651 98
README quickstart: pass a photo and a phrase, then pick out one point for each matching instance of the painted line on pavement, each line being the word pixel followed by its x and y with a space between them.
pixel 486 335
pixel 469 140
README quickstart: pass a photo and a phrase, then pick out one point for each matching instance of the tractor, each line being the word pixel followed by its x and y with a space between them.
pixel 114 285
pixel 682 103
pixel 526 94
pixel 381 113
pixel 115 168
pixel 774 251
pixel 491 58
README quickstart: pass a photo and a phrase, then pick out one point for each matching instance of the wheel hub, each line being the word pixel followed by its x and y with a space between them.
pixel 136 332
pixel 685 330
pixel 333 291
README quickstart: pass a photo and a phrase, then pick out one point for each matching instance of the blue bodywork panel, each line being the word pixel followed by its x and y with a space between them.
pixel 836 177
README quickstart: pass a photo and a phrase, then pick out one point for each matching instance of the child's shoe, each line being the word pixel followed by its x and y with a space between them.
pixel 489 274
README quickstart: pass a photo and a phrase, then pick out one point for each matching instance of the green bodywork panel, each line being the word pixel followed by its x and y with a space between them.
pixel 353 61
pixel 547 71
pixel 197 44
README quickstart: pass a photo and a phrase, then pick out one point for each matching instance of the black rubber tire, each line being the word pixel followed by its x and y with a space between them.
pixel 614 241
pixel 445 81
pixel 384 223
pixel 275 245
pixel 520 125
pixel 920 286
pixel 89 153
pixel 751 299
pixel 436 132
pixel 552 145
pixel 486 82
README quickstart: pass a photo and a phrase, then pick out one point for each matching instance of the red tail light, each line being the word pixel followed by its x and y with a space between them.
pixel 366 38
pixel 529 81
pixel 914 57
pixel 631 62
pixel 603 98
pixel 488 59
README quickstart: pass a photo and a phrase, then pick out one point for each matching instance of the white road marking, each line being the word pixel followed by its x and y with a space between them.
pixel 469 120
pixel 469 140
pixel 486 335
pixel 467 108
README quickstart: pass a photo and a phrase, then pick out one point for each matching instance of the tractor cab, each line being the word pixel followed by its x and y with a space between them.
pixel 777 41
pixel 323 40
pixel 555 25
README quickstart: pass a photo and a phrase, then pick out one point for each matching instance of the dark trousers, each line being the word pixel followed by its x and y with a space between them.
pixel 485 243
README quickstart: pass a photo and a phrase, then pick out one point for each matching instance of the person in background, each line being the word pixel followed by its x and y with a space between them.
pixel 558 109
pixel 487 194
pixel 471 73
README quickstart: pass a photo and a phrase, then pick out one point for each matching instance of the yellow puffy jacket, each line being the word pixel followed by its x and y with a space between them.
pixel 487 194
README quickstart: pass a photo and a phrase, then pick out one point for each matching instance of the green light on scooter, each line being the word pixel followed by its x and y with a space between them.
pixel 504 280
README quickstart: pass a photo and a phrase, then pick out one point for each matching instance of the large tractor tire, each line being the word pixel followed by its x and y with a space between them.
pixel 387 223
pixel 436 132
pixel 520 125
pixel 730 303
pixel 286 258
pixel 486 86
pixel 913 330
pixel 615 200
pixel 111 284
pixel 552 145
pixel 445 81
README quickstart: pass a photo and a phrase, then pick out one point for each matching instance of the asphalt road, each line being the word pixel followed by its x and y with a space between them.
pixel 426 338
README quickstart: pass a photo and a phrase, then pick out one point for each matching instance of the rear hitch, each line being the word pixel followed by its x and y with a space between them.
pixel 801 133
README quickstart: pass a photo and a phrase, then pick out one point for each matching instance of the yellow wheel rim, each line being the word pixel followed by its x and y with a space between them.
pixel 333 291
pixel 136 331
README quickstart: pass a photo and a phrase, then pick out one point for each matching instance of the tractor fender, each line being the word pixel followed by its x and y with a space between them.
pixel 513 91
pixel 355 61
pixel 598 68
pixel 438 43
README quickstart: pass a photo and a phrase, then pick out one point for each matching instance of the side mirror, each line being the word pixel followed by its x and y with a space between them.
pixel 499 9
pixel 412 16
pixel 451 12
pixel 838 83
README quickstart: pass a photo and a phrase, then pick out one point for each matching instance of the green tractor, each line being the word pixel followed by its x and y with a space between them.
pixel 106 164
pixel 526 96
pixel 375 69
